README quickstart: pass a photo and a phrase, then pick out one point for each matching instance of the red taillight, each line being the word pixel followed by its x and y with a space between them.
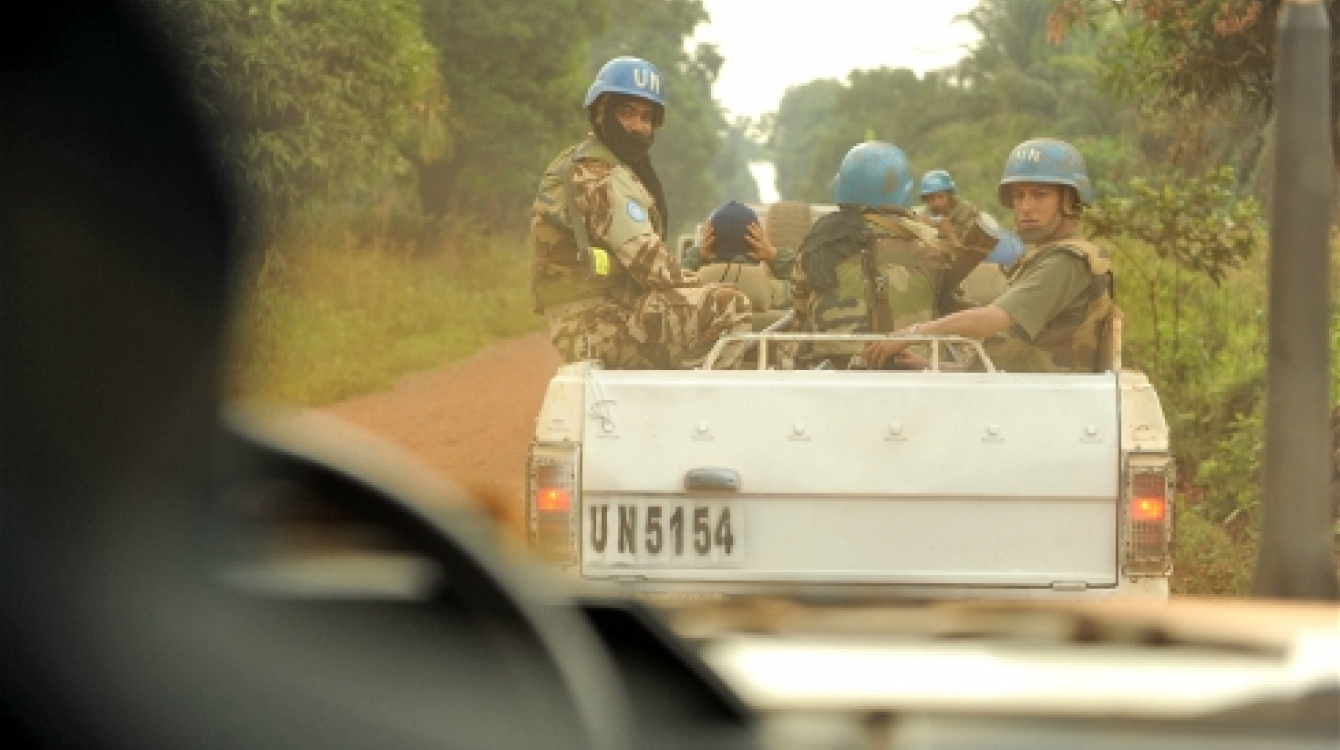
pixel 1148 530
pixel 1149 509
pixel 552 499
pixel 554 492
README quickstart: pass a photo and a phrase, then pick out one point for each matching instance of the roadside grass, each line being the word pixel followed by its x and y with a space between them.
pixel 1211 559
pixel 332 314
pixel 1204 347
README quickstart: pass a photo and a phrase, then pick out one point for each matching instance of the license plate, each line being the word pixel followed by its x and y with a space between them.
pixel 653 533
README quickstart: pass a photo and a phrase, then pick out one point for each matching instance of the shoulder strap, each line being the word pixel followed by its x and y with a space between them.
pixel 576 219
pixel 1093 254
pixel 876 288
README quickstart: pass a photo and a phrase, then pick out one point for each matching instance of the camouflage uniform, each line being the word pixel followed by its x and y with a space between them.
pixel 918 267
pixel 956 225
pixel 1057 331
pixel 638 311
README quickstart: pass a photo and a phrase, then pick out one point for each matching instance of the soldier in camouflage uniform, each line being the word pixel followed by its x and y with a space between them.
pixel 871 266
pixel 1054 315
pixel 739 251
pixel 601 273
pixel 942 207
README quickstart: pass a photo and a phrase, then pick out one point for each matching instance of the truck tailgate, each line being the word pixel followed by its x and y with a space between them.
pixel 989 479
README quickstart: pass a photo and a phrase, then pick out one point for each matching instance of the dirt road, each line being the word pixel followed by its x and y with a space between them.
pixel 471 422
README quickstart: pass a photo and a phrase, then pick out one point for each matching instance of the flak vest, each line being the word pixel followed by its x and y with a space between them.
pixel 886 277
pixel 559 275
pixel 1073 347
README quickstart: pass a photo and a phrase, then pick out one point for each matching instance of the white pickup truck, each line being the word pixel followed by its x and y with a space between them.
pixel 930 484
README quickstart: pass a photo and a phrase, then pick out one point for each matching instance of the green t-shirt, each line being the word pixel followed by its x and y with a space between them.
pixel 1054 288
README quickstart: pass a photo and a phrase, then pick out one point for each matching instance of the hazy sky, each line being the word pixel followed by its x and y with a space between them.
pixel 772 44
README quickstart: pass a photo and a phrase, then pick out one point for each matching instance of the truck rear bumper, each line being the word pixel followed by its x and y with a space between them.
pixel 1140 589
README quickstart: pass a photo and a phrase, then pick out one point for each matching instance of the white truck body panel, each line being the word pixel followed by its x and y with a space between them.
pixel 964 480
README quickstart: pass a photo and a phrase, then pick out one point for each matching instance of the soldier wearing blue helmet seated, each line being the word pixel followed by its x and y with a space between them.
pixel 943 208
pixel 962 223
pixel 601 272
pixel 872 266
pixel 1056 311
pixel 737 251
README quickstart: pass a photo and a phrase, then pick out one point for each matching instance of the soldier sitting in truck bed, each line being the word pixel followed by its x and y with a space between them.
pixel 738 251
pixel 1054 315
pixel 601 273
pixel 872 266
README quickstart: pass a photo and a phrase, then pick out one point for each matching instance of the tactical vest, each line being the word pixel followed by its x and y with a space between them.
pixel 1065 347
pixel 558 268
pixel 907 270
pixel 890 282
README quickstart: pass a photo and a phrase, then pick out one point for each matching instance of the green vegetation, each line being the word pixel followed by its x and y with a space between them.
pixel 312 97
pixel 516 73
pixel 336 314
pixel 1014 84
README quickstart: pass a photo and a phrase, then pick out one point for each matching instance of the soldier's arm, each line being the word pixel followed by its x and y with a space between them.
pixel 978 323
pixel 962 261
pixel 625 230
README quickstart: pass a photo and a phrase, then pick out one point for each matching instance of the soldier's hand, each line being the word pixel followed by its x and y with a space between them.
pixel 709 244
pixel 877 352
pixel 758 239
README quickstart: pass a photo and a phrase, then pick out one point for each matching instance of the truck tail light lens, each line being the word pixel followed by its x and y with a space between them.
pixel 1148 509
pixel 553 494
pixel 552 499
pixel 1147 531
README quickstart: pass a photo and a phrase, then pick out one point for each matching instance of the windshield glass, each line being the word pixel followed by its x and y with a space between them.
pixel 393 154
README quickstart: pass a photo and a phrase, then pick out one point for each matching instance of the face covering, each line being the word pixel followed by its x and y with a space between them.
pixel 632 149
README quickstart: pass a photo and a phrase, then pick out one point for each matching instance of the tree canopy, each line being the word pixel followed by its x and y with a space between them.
pixel 320 93
pixel 516 74
pixel 1211 59
pixel 1023 79
pixel 460 101
pixel 1013 84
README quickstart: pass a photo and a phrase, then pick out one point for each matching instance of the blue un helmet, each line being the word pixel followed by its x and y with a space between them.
pixel 628 75
pixel 874 173
pixel 937 181
pixel 1046 160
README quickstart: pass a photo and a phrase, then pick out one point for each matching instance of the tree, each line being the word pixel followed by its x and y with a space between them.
pixel 803 120
pixel 1210 53
pixel 730 170
pixel 516 74
pixel 312 96
pixel 1013 85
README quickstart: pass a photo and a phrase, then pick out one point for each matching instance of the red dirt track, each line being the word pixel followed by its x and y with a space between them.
pixel 471 422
